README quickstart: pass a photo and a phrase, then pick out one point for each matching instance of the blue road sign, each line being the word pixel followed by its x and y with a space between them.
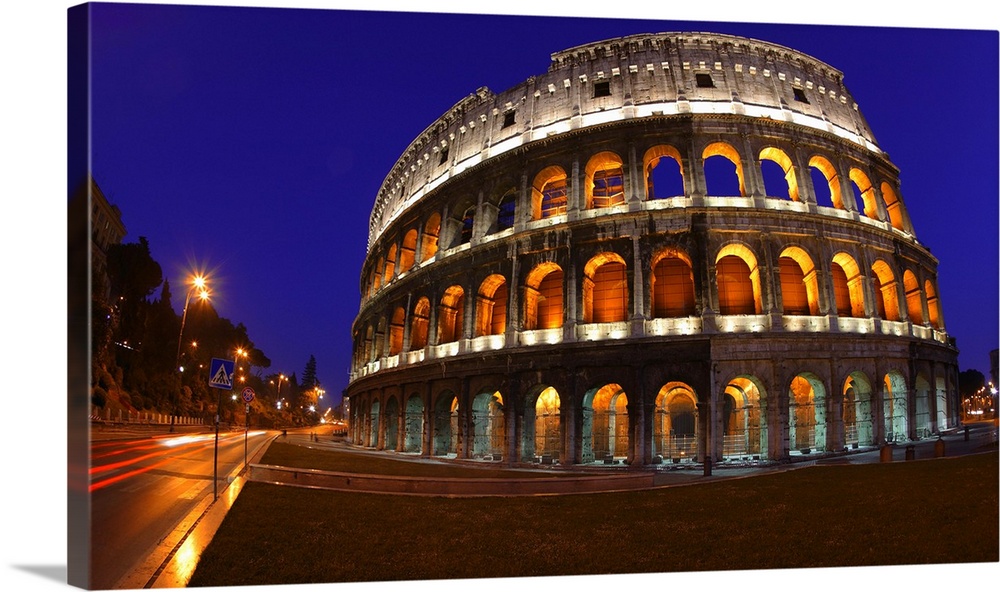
pixel 220 374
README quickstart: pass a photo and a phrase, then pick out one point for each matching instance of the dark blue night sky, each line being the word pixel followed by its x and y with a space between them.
pixel 250 142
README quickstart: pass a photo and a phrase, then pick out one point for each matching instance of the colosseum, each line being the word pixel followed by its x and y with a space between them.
pixel 668 248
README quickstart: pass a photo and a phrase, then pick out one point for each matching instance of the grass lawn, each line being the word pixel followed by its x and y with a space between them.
pixel 940 511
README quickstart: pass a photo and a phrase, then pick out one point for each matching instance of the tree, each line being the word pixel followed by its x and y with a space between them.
pixel 309 381
pixel 970 381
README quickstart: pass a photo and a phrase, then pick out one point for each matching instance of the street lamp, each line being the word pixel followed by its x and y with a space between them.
pixel 199 283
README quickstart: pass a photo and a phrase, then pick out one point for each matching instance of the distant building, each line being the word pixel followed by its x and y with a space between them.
pixel 106 229
pixel 668 247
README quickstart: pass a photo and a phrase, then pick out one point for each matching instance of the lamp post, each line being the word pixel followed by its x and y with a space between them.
pixel 199 283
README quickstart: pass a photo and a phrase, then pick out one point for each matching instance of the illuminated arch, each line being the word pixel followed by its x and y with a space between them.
pixel 429 241
pixel 489 426
pixel 419 324
pixel 390 265
pixel 933 306
pixel 857 410
pixel 543 297
pixel 832 179
pixel 729 153
pixel 914 298
pixel 779 157
pixel 543 427
pixel 675 422
pixel 413 424
pixel 886 299
pixel 445 434
pixel 408 251
pixel 672 285
pixel 491 306
pixel 377 281
pixel 893 206
pixel 848 289
pixel 864 186
pixel 652 160
pixel 737 279
pixel 450 315
pixel 799 286
pixel 605 289
pixel 744 418
pixel 605 181
pixel 396 331
pixel 605 423
pixel 807 414
pixel 549 193
pixel 894 407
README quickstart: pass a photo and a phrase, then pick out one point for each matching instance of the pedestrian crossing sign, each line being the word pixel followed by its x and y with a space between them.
pixel 220 373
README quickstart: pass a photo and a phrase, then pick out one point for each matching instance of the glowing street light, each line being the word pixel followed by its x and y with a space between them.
pixel 197 283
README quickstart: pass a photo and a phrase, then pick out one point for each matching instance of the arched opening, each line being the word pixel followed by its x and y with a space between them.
pixel 605 181
pixel 778 174
pixel 914 298
pixel 864 193
pixel 922 412
pixel 737 279
pixel 857 411
pixel 488 426
pixel 396 331
pixel 543 297
pixel 373 425
pixel 491 316
pixel 548 193
pixel 450 315
pixel 605 289
pixel 826 183
pixel 419 325
pixel 884 282
pixel 799 287
pixel 894 408
pixel 445 437
pixel 664 174
pixel 429 241
pixel 377 282
pixel 605 425
pixel 672 285
pixel 893 206
pixel 468 222
pixel 543 428
pixel 723 171
pixel 413 424
pixel 675 423
pixel 848 290
pixel 941 392
pixel 506 210
pixel 933 306
pixel 391 439
pixel 390 265
pixel 744 420
pixel 408 251
pixel 806 414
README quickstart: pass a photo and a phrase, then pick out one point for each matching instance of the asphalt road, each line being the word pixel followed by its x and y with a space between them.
pixel 144 490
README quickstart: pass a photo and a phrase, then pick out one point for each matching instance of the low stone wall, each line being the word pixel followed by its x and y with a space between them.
pixel 448 486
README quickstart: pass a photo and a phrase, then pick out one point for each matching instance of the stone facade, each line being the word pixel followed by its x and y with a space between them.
pixel 667 248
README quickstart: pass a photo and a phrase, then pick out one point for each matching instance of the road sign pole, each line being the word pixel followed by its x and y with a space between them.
pixel 246 435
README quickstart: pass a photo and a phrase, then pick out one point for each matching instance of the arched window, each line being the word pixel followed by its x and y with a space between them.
pixel 779 176
pixel 605 289
pixel 491 314
pixel 605 183
pixel 408 251
pixel 543 299
pixel 738 280
pixel 548 193
pixel 664 175
pixel 451 314
pixel 893 206
pixel 378 283
pixel 824 176
pixel 505 213
pixel 865 194
pixel 719 172
pixel 933 307
pixel 468 221
pixel 884 282
pixel 396 331
pixel 799 287
pixel 672 285
pixel 914 298
pixel 390 264
pixel 429 241
pixel 847 289
pixel 418 326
